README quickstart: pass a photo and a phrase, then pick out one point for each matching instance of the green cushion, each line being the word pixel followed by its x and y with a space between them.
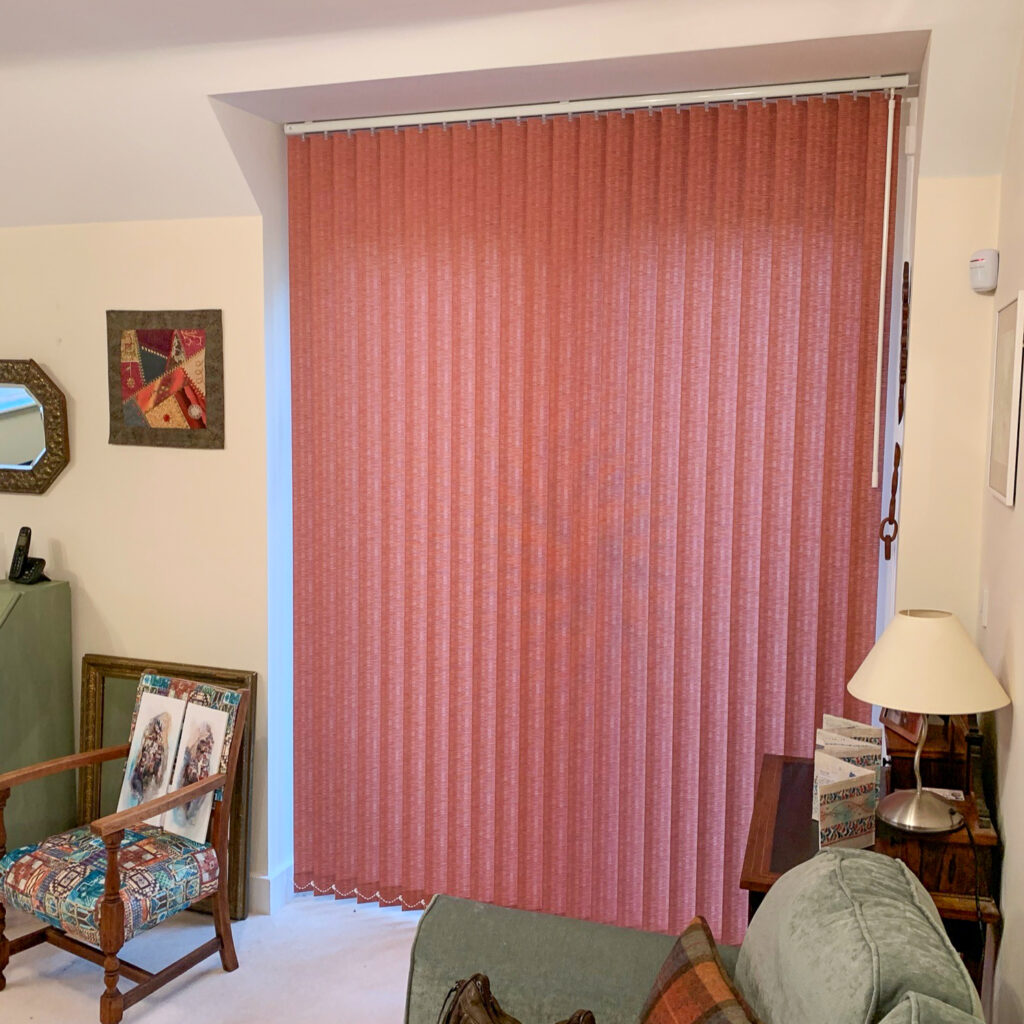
pixel 542 967
pixel 728 955
pixel 843 938
pixel 918 1009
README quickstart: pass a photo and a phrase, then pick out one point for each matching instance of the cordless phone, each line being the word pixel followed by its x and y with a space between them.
pixel 20 552
pixel 24 569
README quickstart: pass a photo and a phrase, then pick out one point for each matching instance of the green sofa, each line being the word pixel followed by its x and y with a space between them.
pixel 849 937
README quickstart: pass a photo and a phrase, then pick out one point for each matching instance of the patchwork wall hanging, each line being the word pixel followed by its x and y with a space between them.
pixel 166 377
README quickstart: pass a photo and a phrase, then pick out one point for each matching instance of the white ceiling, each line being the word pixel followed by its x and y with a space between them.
pixel 34 29
pixel 135 135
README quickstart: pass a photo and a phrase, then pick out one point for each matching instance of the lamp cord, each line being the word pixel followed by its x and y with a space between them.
pixel 977 878
pixel 977 874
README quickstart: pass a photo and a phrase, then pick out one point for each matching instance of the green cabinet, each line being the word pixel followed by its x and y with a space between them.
pixel 36 705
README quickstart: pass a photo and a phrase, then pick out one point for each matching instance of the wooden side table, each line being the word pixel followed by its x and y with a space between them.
pixel 783 834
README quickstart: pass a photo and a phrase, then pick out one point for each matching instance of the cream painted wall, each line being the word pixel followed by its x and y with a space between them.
pixel 136 138
pixel 943 482
pixel 164 547
pixel 1002 575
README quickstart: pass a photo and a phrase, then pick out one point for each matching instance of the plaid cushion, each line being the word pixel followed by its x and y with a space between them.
pixel 61 879
pixel 693 986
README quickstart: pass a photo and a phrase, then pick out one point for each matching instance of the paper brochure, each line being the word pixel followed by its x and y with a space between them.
pixel 847 781
pixel 848 797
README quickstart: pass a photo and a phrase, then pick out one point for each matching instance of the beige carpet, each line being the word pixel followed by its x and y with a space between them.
pixel 317 960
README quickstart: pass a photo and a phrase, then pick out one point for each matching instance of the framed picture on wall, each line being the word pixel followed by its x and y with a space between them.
pixel 165 373
pixel 1005 411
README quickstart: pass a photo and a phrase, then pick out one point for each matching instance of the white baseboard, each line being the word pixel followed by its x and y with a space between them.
pixel 269 893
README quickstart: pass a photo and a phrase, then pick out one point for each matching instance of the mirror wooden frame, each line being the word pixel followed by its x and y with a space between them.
pixel 30 375
pixel 96 670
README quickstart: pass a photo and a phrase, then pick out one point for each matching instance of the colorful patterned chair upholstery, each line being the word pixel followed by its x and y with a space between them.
pixel 103 883
pixel 61 880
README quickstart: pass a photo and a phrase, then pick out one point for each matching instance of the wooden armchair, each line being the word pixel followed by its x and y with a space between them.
pixel 98 885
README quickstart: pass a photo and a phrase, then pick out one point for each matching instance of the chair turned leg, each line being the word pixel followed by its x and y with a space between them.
pixel 222 922
pixel 111 912
pixel 5 945
pixel 111 1002
pixel 5 948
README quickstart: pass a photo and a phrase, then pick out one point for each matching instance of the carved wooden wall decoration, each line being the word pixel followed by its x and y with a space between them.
pixel 904 339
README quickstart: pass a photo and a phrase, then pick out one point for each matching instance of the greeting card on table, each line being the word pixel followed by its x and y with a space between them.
pixel 852 742
pixel 851 729
pixel 847 799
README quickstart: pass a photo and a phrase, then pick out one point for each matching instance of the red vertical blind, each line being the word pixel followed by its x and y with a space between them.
pixel 582 428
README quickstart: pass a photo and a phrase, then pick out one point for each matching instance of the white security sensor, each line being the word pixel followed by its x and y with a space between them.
pixel 985 270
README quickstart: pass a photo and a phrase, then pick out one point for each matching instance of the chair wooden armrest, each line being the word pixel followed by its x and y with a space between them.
pixel 151 808
pixel 8 780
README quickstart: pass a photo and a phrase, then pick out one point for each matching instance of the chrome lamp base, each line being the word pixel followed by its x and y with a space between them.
pixel 919 811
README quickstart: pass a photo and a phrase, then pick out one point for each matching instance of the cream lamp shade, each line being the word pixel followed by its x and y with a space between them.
pixel 925 662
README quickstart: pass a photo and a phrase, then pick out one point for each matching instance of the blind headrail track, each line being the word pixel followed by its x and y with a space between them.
pixel 746 94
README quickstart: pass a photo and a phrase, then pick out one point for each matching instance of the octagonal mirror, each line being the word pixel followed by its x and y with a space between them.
pixel 33 428
pixel 22 441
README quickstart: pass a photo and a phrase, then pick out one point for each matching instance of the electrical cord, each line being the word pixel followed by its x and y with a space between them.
pixel 977 879
pixel 977 872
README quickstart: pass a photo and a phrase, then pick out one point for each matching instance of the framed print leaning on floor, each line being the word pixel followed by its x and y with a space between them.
pixel 109 687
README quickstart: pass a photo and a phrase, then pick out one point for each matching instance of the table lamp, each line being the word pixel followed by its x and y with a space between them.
pixel 925 663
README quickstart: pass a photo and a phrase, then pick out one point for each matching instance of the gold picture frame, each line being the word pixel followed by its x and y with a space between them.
pixel 96 710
